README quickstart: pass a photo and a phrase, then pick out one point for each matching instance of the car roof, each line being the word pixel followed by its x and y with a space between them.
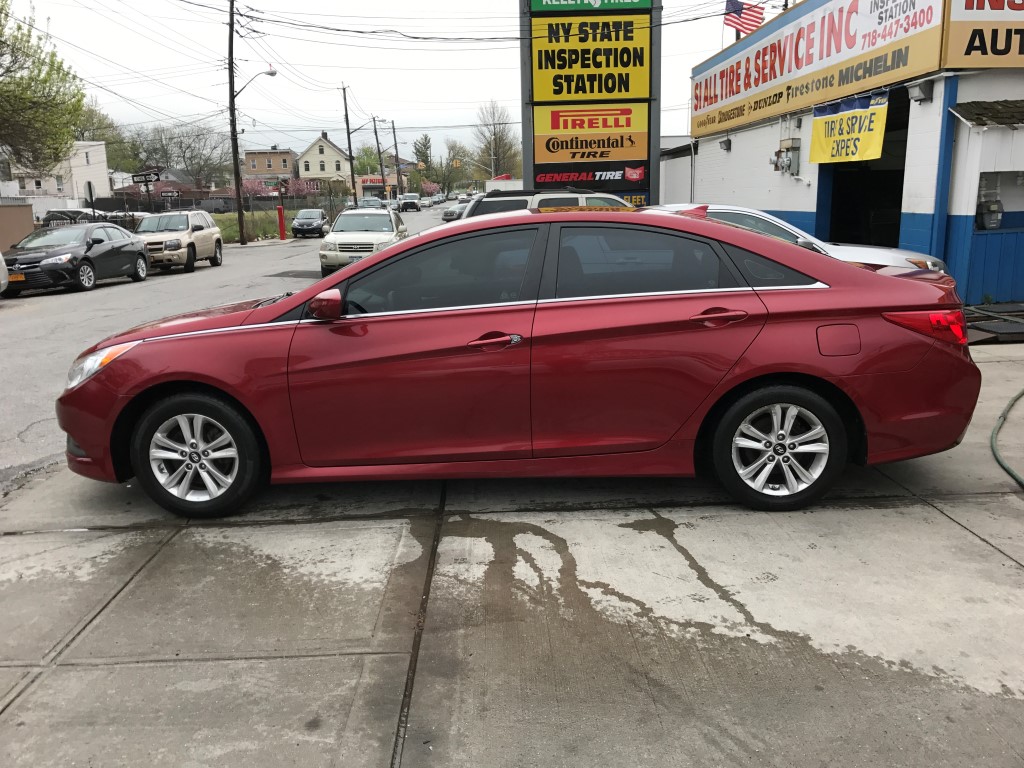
pixel 363 212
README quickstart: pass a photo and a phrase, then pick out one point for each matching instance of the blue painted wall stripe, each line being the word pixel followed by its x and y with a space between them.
pixel 948 132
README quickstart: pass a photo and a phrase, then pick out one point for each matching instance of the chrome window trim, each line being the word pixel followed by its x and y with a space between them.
pixel 457 308
pixel 738 289
pixel 813 286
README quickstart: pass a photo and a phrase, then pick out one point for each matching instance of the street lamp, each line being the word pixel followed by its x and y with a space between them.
pixel 233 94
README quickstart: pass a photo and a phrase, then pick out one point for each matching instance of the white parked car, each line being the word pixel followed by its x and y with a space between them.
pixel 765 223
pixel 3 274
pixel 358 233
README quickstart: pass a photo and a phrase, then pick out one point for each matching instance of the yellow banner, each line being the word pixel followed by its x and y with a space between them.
pixel 570 133
pixel 850 130
pixel 589 58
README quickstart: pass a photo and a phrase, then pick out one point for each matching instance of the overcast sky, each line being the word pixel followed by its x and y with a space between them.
pixel 163 61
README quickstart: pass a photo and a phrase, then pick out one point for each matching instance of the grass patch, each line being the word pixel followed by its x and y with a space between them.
pixel 261 224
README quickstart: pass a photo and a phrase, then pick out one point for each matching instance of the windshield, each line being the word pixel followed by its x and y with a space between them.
pixel 411 196
pixel 363 222
pixel 177 222
pixel 45 238
pixel 310 214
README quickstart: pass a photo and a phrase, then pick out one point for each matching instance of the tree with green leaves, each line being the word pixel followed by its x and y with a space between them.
pixel 421 150
pixel 95 125
pixel 366 161
pixel 40 97
pixel 497 142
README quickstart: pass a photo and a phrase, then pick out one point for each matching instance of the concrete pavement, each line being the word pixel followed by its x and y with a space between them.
pixel 570 623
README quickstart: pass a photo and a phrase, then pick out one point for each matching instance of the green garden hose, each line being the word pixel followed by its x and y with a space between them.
pixel 995 433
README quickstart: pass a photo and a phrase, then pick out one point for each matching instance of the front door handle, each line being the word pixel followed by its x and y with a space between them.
pixel 716 317
pixel 496 339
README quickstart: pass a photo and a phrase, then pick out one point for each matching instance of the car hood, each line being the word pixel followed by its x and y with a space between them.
pixel 224 316
pixel 35 255
pixel 148 237
pixel 358 237
pixel 877 254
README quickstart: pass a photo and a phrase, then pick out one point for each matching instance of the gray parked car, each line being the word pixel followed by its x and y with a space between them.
pixel 765 223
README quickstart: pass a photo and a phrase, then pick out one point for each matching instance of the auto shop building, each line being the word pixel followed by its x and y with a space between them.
pixel 884 122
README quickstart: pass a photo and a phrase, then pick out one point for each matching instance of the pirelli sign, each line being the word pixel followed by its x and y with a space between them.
pixel 590 90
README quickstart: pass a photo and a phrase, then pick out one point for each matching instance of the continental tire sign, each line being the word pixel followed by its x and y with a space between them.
pixel 592 132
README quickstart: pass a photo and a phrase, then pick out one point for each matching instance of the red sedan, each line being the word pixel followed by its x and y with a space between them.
pixel 537 344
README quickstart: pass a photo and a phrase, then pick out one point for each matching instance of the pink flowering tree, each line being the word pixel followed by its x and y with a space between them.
pixel 430 187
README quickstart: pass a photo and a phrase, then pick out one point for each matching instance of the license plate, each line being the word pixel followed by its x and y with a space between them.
pixel 16 277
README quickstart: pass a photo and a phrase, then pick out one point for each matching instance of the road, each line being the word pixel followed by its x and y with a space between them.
pixel 43 332
pixel 581 623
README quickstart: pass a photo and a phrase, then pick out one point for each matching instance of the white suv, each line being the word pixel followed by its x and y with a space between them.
pixel 499 201
pixel 358 233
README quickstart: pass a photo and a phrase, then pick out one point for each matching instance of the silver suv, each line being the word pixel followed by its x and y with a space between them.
pixel 499 201
pixel 181 238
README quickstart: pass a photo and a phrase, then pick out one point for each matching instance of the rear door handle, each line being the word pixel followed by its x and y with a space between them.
pixel 717 317
pixel 502 340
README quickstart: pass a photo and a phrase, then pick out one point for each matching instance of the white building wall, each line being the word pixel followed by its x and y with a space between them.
pixel 88 162
pixel 743 175
pixel 675 180
pixel 921 171
pixel 991 85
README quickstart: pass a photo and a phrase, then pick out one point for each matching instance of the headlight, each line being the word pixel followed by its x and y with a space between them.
pixel 64 258
pixel 329 245
pixel 86 366
pixel 385 244
pixel 172 245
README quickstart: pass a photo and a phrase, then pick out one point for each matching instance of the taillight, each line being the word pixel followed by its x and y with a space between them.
pixel 946 325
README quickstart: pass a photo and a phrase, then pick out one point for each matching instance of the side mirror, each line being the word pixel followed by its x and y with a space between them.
pixel 810 245
pixel 403 230
pixel 326 305
pixel 198 227
pixel 97 241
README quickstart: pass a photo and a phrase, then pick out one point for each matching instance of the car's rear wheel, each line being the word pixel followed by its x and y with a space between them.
pixel 190 259
pixel 779 448
pixel 196 455
pixel 218 255
pixel 141 268
pixel 85 276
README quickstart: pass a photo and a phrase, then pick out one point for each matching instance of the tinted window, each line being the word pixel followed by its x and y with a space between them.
pixel 756 223
pixel 486 269
pixel 606 202
pixel 209 220
pixel 100 234
pixel 499 205
pixel 761 272
pixel 113 234
pixel 606 261
pixel 195 221
pixel 558 202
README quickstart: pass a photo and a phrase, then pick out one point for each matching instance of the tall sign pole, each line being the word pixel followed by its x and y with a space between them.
pixel 348 134
pixel 234 126
pixel 591 90
pixel 398 165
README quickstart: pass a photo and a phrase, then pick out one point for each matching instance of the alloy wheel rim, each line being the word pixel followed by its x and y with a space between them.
pixel 780 449
pixel 140 267
pixel 193 457
pixel 86 275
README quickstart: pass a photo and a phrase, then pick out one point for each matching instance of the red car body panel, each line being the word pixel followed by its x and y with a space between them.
pixel 617 386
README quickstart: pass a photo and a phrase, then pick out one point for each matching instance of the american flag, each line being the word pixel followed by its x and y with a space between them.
pixel 743 17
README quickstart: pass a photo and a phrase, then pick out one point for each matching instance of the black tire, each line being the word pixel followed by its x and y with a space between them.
pixel 164 267
pixel 218 255
pixel 141 269
pixel 190 259
pixel 778 492
pixel 10 293
pixel 247 469
pixel 85 276
pixel 324 271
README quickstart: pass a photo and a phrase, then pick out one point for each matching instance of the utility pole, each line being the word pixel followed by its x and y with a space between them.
pixel 234 126
pixel 348 133
pixel 380 157
pixel 398 165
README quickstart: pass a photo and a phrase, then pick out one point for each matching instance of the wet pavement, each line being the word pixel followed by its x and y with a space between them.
pixel 525 623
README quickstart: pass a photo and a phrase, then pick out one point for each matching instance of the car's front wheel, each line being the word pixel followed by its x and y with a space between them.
pixel 85 276
pixel 141 268
pixel 779 448
pixel 196 455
